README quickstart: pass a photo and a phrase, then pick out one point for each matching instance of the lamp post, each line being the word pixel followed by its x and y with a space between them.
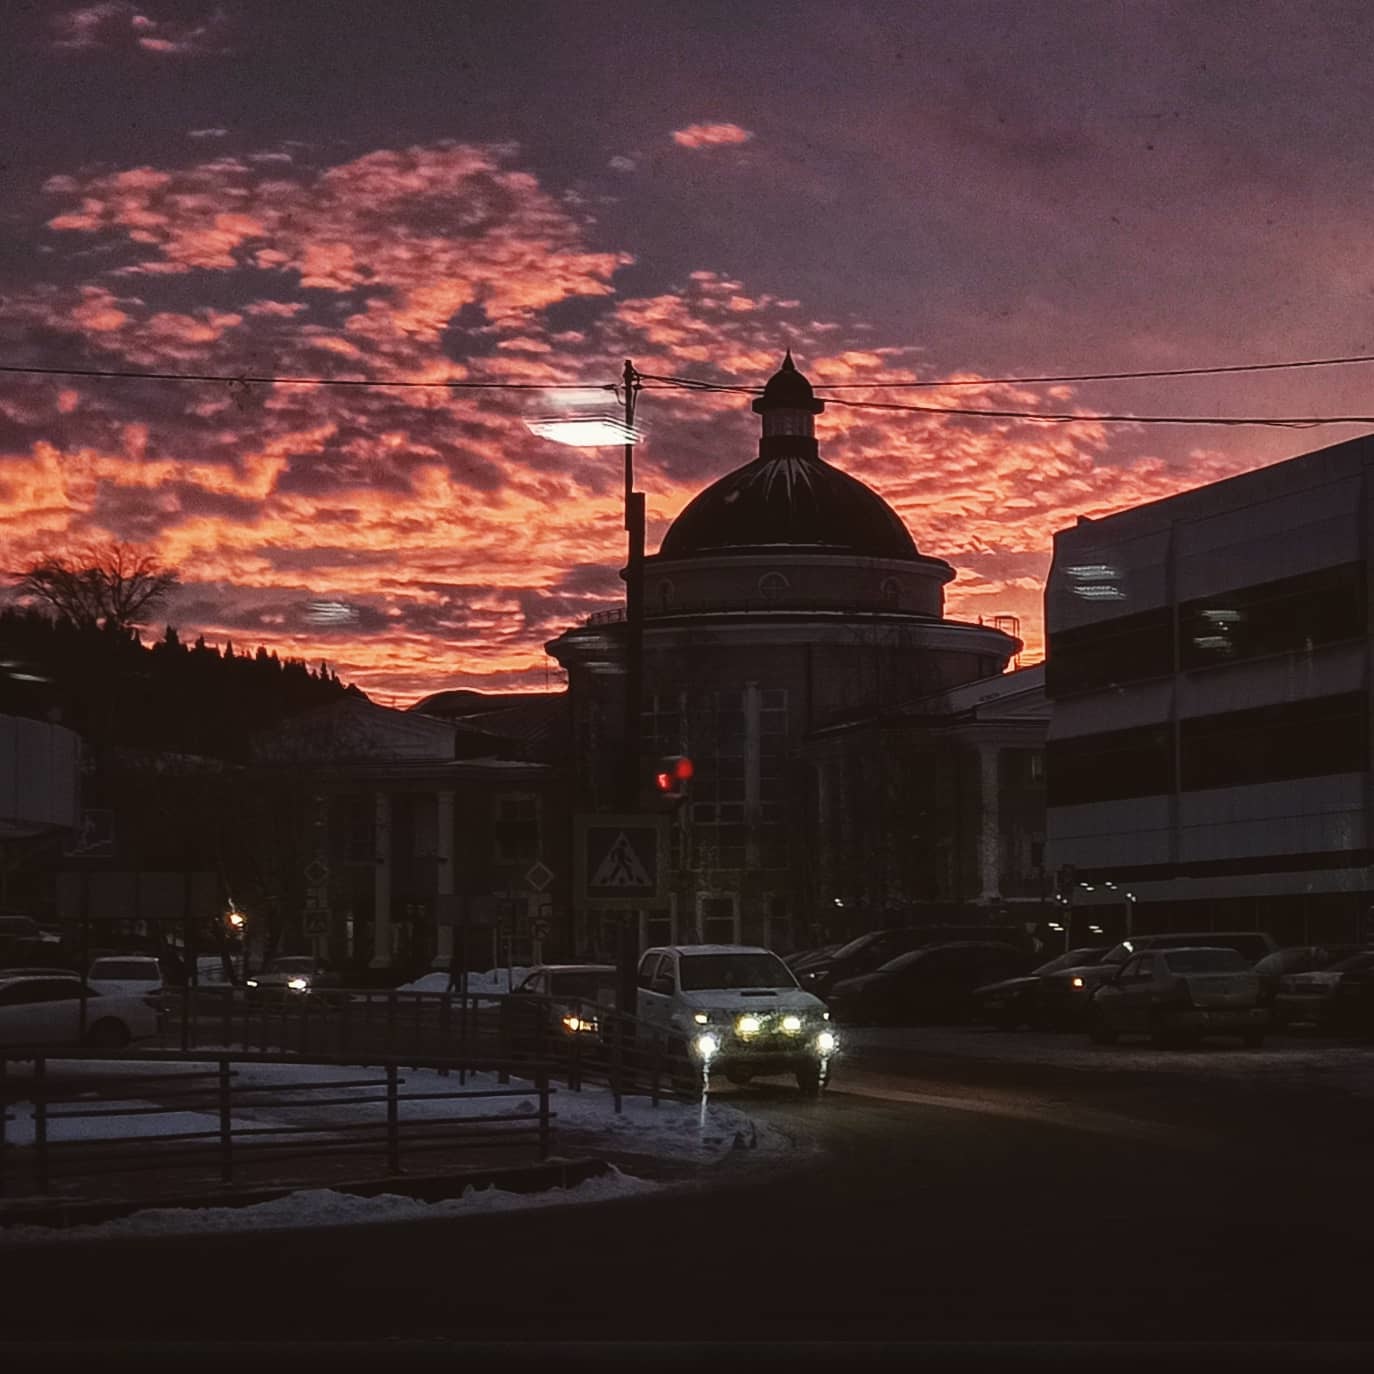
pixel 593 430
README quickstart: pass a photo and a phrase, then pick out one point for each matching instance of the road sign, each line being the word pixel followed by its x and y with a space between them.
pixel 621 861
pixel 540 930
pixel 539 875
pixel 316 872
pixel 317 923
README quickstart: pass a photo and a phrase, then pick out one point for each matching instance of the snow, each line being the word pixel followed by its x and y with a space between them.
pixel 319 1207
pixel 673 1129
pixel 494 982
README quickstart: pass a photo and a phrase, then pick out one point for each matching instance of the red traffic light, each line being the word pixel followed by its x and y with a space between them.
pixel 670 778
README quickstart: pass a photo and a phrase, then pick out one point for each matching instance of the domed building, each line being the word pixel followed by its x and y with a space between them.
pixel 788 605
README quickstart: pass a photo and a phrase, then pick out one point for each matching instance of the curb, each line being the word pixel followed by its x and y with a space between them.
pixel 533 1178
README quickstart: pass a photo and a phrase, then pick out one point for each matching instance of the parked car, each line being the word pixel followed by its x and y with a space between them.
pixel 1034 999
pixel 557 1003
pixel 874 948
pixel 735 1009
pixel 1177 995
pixel 1350 1010
pixel 1078 984
pixel 925 985
pixel 805 958
pixel 1307 997
pixel 137 973
pixel 292 975
pixel 46 1010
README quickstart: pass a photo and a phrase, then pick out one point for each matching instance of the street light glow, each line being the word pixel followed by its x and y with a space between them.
pixel 585 431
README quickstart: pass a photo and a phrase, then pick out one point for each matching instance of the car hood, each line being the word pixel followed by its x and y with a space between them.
pixel 752 999
pixel 1025 980
pixel 1089 973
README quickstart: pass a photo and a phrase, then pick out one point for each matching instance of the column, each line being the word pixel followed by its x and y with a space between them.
pixel 445 905
pixel 381 882
pixel 989 826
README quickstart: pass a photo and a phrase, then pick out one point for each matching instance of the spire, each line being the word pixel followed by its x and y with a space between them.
pixel 788 405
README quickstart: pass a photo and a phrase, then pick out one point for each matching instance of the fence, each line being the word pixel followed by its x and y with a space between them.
pixel 606 1046
pixel 218 1085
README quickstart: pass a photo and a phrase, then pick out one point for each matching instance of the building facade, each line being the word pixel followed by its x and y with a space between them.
pixel 787 597
pixel 1210 668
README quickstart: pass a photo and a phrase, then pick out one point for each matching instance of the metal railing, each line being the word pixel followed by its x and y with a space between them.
pixel 216 1086
pixel 627 1055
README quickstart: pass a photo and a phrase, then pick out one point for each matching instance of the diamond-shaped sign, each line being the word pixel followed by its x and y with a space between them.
pixel 316 872
pixel 539 875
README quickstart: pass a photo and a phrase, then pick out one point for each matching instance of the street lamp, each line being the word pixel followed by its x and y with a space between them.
pixel 586 425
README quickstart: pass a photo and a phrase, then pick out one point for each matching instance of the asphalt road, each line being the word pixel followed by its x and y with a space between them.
pixel 926 1206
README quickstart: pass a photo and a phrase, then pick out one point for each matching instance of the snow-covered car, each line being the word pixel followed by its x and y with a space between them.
pixel 46 1010
pixel 136 973
pixel 736 1010
pixel 1176 996
pixel 291 975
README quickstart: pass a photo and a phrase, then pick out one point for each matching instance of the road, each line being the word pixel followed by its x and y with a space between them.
pixel 937 1198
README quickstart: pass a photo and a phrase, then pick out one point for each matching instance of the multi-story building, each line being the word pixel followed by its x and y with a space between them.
pixel 1210 672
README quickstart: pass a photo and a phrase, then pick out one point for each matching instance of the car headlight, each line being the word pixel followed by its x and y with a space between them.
pixel 298 984
pixel 748 1025
pixel 707 1045
pixel 825 1042
pixel 578 1023
pixel 1077 983
pixel 700 1018
pixel 791 1024
pixel 251 982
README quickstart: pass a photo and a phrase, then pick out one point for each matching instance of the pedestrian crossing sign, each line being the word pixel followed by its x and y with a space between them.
pixel 620 861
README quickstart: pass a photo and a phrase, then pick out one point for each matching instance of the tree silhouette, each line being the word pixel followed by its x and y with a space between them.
pixel 112 586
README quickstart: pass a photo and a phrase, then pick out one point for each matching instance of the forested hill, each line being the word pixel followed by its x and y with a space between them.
pixel 115 690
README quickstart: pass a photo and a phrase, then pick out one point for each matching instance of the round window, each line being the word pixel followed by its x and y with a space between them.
pixel 772 585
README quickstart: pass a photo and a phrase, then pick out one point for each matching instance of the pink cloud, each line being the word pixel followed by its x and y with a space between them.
pixel 115 23
pixel 711 136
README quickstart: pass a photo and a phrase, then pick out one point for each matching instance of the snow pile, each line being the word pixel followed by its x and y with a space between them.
pixel 494 982
pixel 317 1207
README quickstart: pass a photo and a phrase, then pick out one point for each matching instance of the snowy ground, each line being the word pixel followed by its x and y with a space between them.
pixel 1283 1059
pixel 672 1130
pixel 493 982
pixel 315 1207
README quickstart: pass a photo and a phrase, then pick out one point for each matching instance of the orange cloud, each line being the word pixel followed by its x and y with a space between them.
pixel 711 136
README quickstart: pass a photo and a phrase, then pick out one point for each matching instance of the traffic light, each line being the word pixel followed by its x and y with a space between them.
pixel 672 776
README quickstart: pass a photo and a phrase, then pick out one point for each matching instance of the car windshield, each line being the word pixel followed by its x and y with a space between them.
pixel 1205 961
pixel 761 970
pixel 17 925
pixel 1075 958
pixel 142 969
pixel 594 985
pixel 859 943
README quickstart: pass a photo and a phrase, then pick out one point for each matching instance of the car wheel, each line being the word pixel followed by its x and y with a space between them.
pixel 108 1035
pixel 1101 1032
pixel 809 1080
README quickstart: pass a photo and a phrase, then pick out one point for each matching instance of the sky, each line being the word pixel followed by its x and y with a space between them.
pixel 533 192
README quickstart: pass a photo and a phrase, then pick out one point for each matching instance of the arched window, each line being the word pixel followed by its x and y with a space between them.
pixel 892 591
pixel 665 594
pixel 772 585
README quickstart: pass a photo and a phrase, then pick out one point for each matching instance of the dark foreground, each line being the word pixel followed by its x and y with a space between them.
pixel 987 1226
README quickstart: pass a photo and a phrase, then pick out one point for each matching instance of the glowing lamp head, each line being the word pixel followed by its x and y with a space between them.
pixel 825 1042
pixel 748 1025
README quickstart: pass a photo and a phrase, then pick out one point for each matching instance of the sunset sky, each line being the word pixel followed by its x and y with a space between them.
pixel 534 192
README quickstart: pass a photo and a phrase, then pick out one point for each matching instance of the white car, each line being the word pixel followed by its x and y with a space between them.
pixel 41 1011
pixel 738 1010
pixel 138 973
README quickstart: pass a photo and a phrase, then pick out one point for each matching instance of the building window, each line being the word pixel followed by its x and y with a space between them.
pixel 892 591
pixel 718 919
pixel 773 585
pixel 516 829
pixel 1129 648
pixel 1296 739
pixel 1111 766
pixel 665 594
pixel 1288 615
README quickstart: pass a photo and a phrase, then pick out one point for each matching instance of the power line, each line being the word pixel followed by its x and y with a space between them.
pixel 1048 417
pixel 267 379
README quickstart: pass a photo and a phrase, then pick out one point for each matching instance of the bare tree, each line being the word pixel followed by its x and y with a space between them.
pixel 115 586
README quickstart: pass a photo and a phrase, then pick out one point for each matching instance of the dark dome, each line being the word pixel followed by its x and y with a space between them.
pixel 794 500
